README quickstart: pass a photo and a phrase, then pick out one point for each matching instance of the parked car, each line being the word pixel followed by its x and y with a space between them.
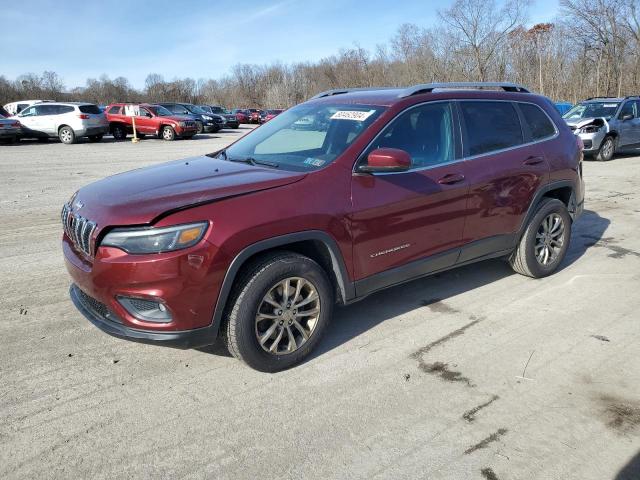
pixel 10 129
pixel 152 120
pixel 253 115
pixel 208 123
pixel 267 115
pixel 241 114
pixel 15 108
pixel 606 125
pixel 255 243
pixel 67 121
pixel 4 113
pixel 563 107
pixel 230 118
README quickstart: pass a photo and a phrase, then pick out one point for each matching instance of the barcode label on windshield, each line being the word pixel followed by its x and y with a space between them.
pixel 356 115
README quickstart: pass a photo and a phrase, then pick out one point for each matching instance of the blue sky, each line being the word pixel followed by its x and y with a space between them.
pixel 199 39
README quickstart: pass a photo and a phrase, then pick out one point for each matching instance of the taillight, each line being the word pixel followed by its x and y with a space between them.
pixel 84 116
pixel 16 124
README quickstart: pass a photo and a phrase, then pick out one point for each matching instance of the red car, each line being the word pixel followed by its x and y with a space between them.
pixel 257 242
pixel 241 114
pixel 152 120
pixel 253 115
pixel 269 115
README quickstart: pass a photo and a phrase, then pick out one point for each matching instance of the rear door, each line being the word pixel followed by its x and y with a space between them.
pixel 506 165
pixel 629 130
pixel 412 220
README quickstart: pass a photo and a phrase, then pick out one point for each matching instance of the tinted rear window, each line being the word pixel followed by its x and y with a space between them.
pixel 92 109
pixel 539 124
pixel 491 126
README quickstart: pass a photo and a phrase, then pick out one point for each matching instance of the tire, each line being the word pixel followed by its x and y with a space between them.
pixel 242 326
pixel 539 252
pixel 119 132
pixel 67 135
pixel 95 138
pixel 606 150
pixel 168 134
pixel 199 127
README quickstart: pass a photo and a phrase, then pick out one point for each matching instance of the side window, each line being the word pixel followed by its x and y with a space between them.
pixel 64 109
pixel 539 123
pixel 491 126
pixel 20 107
pixel 115 110
pixel 424 132
pixel 29 112
pixel 627 109
pixel 142 112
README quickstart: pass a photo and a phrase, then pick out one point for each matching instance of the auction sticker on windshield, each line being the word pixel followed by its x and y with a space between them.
pixel 356 115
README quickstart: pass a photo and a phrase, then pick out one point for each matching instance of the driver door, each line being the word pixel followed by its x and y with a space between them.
pixel 145 122
pixel 407 224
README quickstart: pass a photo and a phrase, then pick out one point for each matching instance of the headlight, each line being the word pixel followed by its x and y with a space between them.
pixel 590 129
pixel 207 117
pixel 155 240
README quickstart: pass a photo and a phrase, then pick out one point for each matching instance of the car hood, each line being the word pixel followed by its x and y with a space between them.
pixel 581 122
pixel 139 196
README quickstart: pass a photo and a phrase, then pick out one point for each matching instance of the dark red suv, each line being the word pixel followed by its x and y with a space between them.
pixel 334 199
pixel 150 120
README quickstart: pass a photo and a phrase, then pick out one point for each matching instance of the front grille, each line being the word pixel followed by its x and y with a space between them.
pixel 189 124
pixel 78 229
pixel 96 306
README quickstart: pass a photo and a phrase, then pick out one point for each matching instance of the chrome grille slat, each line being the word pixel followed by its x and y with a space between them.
pixel 78 229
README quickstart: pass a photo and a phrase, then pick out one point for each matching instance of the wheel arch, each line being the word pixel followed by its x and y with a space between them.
pixel 315 244
pixel 563 190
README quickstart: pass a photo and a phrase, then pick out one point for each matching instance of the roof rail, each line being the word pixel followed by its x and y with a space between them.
pixel 430 87
pixel 339 91
pixel 596 98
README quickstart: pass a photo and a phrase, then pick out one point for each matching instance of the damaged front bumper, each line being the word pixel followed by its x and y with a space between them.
pixel 591 132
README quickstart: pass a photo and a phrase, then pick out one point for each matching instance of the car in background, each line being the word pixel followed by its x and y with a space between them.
pixel 206 122
pixel 67 121
pixel 606 124
pixel 15 108
pixel 10 129
pixel 151 120
pixel 4 113
pixel 254 115
pixel 241 114
pixel 231 119
pixel 563 107
pixel 267 115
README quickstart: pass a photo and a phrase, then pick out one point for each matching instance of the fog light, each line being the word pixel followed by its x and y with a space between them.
pixel 146 310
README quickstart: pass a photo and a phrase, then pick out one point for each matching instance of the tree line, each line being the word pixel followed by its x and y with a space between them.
pixel 591 49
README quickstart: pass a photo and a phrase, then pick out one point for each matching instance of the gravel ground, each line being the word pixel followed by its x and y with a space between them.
pixel 475 373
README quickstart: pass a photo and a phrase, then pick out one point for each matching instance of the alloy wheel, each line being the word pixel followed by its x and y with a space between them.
pixel 287 316
pixel 549 239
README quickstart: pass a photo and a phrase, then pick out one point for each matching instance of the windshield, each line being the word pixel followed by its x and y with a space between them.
pixel 591 110
pixel 218 110
pixel 306 137
pixel 160 111
pixel 196 110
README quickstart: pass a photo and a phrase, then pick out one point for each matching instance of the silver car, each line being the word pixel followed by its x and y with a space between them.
pixel 9 129
pixel 606 125
pixel 67 121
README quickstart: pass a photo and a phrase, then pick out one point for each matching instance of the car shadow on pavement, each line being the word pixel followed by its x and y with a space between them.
pixel 631 471
pixel 586 232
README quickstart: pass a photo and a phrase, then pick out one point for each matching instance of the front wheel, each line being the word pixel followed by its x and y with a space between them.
pixel 607 149
pixel 67 135
pixel 168 134
pixel 545 241
pixel 199 127
pixel 278 311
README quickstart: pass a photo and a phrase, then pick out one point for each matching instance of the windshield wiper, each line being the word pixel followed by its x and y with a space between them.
pixel 252 161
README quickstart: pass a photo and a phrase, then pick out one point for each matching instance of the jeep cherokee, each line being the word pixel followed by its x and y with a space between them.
pixel 256 243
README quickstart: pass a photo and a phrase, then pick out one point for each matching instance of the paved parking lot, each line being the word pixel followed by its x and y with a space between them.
pixel 476 373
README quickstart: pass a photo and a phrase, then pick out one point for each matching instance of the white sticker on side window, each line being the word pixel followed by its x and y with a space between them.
pixel 356 115
pixel 610 105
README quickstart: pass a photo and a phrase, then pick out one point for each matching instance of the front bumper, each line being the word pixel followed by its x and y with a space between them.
pixel 187 282
pixel 111 324
pixel 592 141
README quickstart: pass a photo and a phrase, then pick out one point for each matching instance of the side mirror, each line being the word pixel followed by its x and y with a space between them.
pixel 386 160
pixel 628 116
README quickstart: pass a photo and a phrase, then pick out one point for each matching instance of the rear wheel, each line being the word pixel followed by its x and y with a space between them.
pixel 607 149
pixel 278 311
pixel 545 241
pixel 95 138
pixel 119 132
pixel 67 135
pixel 168 134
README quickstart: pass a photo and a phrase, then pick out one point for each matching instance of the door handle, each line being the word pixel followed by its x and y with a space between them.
pixel 533 161
pixel 451 178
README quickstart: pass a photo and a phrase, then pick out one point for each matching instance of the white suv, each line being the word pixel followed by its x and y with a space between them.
pixel 68 121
